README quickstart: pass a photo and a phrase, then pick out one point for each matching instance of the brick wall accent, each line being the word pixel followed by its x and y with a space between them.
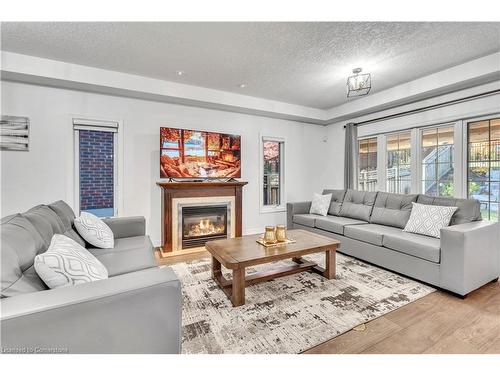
pixel 96 169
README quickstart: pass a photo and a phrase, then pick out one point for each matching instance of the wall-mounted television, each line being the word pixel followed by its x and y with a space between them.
pixel 199 154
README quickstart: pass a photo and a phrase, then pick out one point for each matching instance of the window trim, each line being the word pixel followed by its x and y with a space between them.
pixel 282 206
pixel 115 126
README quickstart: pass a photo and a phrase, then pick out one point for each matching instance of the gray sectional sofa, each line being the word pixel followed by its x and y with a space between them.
pixel 370 225
pixel 136 310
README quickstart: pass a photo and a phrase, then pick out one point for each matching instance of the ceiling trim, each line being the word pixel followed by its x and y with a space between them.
pixel 46 72
pixel 36 70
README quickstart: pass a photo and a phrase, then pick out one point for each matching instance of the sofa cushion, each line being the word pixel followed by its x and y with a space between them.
pixel 18 233
pixel 419 246
pixel 337 199
pixel 371 233
pixel 392 209
pixel 336 224
pixel 129 254
pixel 20 242
pixel 305 219
pixel 468 210
pixel 46 222
pixel 67 217
pixel 64 212
pixel 358 204
pixel 14 281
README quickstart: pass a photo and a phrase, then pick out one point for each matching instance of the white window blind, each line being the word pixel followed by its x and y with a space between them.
pixel 86 124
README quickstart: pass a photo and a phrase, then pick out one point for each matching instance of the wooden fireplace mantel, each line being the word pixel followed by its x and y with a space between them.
pixel 171 190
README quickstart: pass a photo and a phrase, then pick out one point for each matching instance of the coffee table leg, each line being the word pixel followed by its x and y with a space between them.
pixel 238 287
pixel 330 264
pixel 216 268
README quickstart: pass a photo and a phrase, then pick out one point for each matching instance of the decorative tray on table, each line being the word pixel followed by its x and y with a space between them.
pixel 275 244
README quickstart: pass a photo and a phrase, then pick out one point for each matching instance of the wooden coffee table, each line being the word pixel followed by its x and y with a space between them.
pixel 238 253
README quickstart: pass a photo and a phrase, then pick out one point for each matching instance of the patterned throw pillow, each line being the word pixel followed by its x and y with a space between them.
pixel 428 220
pixel 320 204
pixel 68 263
pixel 95 231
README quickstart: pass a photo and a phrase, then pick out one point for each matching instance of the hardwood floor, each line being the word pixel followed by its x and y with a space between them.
pixel 437 323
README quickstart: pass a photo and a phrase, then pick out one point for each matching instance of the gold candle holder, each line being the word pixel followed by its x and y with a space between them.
pixel 280 233
pixel 270 235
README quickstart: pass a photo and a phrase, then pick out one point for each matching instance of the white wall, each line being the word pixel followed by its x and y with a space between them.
pixel 45 173
pixel 335 133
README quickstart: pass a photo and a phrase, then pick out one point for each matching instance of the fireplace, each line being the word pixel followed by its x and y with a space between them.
pixel 199 224
pixel 196 220
pixel 192 213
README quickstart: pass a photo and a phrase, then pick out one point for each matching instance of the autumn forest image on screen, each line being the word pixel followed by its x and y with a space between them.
pixel 198 154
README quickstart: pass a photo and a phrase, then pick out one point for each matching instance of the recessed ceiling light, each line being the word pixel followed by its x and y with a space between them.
pixel 242 85
pixel 179 73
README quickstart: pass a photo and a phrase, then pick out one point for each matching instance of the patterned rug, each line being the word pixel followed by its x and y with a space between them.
pixel 290 314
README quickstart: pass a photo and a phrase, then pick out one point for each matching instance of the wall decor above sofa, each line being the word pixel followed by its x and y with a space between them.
pixel 14 133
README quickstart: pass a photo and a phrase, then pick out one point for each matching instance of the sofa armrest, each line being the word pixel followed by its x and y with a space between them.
pixel 293 208
pixel 470 255
pixel 139 312
pixel 127 226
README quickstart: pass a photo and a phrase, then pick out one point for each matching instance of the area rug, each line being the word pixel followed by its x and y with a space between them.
pixel 290 314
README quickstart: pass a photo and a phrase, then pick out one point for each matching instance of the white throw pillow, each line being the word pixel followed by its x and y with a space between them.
pixel 320 204
pixel 95 231
pixel 66 263
pixel 428 220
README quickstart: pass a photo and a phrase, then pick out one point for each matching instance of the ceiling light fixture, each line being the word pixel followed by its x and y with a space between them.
pixel 242 85
pixel 359 84
pixel 179 73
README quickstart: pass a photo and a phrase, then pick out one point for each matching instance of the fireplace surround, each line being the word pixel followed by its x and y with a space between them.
pixel 196 220
pixel 204 196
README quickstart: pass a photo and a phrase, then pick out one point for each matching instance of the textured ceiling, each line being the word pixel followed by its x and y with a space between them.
pixel 301 63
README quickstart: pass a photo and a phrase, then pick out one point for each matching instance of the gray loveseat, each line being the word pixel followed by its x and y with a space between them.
pixel 136 310
pixel 369 226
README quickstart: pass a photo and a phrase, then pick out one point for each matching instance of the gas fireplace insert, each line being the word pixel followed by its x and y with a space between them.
pixel 203 223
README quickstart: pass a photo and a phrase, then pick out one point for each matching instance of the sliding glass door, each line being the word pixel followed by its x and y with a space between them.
pixel 437 151
pixel 483 165
pixel 399 162
pixel 367 164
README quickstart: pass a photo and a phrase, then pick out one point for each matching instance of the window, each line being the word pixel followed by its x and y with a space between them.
pixel 437 161
pixel 272 173
pixel 96 167
pixel 367 164
pixel 399 162
pixel 483 165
